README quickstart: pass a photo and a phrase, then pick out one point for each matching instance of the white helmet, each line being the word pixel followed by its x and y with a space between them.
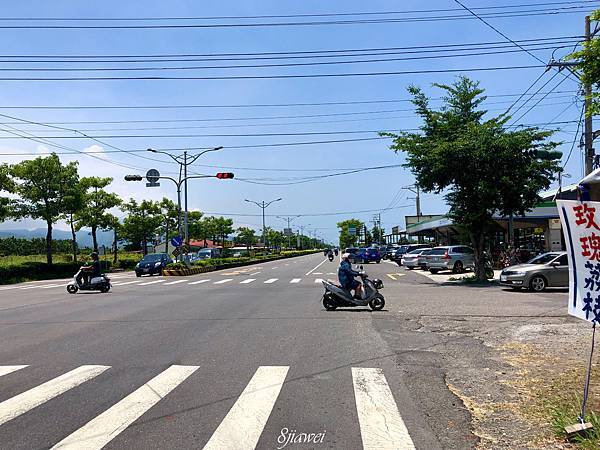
pixel 346 256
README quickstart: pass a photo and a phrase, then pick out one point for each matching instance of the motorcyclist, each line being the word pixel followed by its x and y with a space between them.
pixel 346 276
pixel 86 273
pixel 330 254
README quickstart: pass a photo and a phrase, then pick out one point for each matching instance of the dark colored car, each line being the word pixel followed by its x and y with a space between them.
pixel 397 257
pixel 367 255
pixel 151 264
pixel 388 252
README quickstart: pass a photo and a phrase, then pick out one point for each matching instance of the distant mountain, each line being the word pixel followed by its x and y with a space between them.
pixel 83 238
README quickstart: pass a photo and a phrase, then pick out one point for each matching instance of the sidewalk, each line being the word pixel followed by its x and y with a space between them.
pixel 447 276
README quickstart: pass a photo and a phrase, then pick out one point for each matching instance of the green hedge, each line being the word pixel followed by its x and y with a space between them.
pixel 29 271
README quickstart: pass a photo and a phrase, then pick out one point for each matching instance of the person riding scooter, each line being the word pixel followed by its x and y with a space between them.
pixel 346 276
pixel 330 255
pixel 86 273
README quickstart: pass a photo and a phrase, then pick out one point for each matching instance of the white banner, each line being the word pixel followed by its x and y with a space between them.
pixel 581 227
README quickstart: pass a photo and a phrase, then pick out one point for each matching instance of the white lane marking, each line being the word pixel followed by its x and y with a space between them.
pixel 151 282
pixel 20 404
pixel 296 280
pixel 249 280
pixel 318 280
pixel 198 282
pixel 317 273
pixel 253 274
pixel 330 273
pixel 392 276
pixel 277 267
pixel 287 264
pixel 311 271
pixel 381 426
pixel 174 282
pixel 52 286
pixel 5 370
pixel 126 282
pixel 226 280
pixel 104 428
pixel 242 426
pixel 271 280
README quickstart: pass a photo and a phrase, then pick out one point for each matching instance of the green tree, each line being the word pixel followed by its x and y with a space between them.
pixel 223 228
pixel 44 186
pixel 6 185
pixel 96 204
pixel 202 229
pixel 346 239
pixel 377 234
pixel 588 63
pixel 141 223
pixel 170 214
pixel 274 238
pixel 74 203
pixel 112 223
pixel 481 165
pixel 246 236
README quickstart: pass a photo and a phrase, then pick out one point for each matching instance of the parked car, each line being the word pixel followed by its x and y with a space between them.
pixel 151 264
pixel 410 260
pixel 388 251
pixel 547 270
pixel 405 249
pixel 423 258
pixel 456 258
pixel 209 253
pixel 367 255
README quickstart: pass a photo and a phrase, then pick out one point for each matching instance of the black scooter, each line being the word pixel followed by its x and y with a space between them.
pixel 337 297
pixel 330 256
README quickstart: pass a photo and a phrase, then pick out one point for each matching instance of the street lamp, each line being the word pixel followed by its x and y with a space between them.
pixel 263 206
pixel 288 220
pixel 183 162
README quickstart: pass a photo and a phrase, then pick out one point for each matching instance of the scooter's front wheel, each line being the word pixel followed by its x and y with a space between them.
pixel 377 303
pixel 72 289
pixel 329 303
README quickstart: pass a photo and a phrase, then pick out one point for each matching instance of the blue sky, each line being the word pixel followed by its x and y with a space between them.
pixel 354 192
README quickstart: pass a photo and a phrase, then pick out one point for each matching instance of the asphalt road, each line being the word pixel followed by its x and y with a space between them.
pixel 218 361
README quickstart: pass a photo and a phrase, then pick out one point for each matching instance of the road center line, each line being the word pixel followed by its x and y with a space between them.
pixel 242 426
pixel 318 265
pixel 381 426
pixel 174 282
pixel 104 428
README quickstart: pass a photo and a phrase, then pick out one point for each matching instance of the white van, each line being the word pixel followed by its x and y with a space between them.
pixel 209 253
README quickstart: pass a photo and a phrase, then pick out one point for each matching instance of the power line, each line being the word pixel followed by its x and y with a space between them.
pixel 307 214
pixel 538 102
pixel 574 137
pixel 535 93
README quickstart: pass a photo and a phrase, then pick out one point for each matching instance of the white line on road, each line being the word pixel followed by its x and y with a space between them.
pixel 318 280
pixel 317 273
pixel 226 280
pixel 198 282
pixel 5 370
pixel 126 282
pixel 104 428
pixel 248 280
pixel 296 280
pixel 271 280
pixel 276 267
pixel 311 271
pixel 174 282
pixel 381 425
pixel 51 286
pixel 152 282
pixel 392 276
pixel 242 426
pixel 20 404
pixel 253 274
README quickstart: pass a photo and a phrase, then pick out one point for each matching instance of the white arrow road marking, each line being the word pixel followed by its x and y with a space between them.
pixel 249 280
pixel 242 426
pixel 381 426
pixel 198 282
pixel 5 370
pixel 20 404
pixel 174 282
pixel 152 282
pixel 226 280
pixel 296 280
pixel 104 428
pixel 271 280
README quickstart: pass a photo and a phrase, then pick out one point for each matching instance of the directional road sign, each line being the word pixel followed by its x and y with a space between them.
pixel 176 241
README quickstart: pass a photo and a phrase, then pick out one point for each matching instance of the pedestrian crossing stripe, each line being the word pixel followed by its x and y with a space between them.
pixel 271 280
pixel 248 280
pixel 379 421
pixel 296 280
pixel 198 282
pixel 226 280
pixel 151 282
pixel 174 282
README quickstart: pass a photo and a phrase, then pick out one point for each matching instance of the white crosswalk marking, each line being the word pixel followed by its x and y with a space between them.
pixel 381 425
pixel 317 273
pixel 226 280
pixel 318 280
pixel 253 274
pixel 271 280
pixel 244 423
pixel 51 286
pixel 198 282
pixel 20 404
pixel 5 370
pixel 248 280
pixel 174 282
pixel 126 282
pixel 102 429
pixel 151 282
pixel 296 280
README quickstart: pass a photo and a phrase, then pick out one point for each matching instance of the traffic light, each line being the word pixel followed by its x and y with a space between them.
pixel 133 178
pixel 547 155
pixel 224 175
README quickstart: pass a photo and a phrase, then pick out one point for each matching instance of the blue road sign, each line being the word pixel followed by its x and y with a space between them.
pixel 176 241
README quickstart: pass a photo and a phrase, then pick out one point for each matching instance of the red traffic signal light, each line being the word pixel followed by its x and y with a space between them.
pixel 224 175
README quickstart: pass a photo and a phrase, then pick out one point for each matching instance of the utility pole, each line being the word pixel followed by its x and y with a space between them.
pixel 263 205
pixel 588 132
pixel 289 228
pixel 415 189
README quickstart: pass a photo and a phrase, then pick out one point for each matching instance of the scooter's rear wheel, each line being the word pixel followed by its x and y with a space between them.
pixel 329 303
pixel 377 303
pixel 72 289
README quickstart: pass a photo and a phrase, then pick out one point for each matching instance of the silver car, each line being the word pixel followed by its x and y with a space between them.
pixel 410 260
pixel 547 270
pixel 456 258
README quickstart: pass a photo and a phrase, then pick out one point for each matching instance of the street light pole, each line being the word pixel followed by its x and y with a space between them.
pixel 288 220
pixel 263 206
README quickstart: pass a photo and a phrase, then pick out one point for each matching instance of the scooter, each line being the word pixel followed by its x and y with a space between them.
pixel 330 256
pixel 336 297
pixel 101 283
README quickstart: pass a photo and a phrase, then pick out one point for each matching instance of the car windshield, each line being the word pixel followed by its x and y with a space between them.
pixel 403 248
pixel 438 251
pixel 415 251
pixel 204 252
pixel 152 258
pixel 543 259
